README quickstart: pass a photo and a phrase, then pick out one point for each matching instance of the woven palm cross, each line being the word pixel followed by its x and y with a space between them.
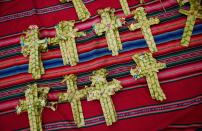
pixel 32 46
pixel 74 96
pixel 36 100
pixel 65 37
pixel 148 67
pixel 109 25
pixel 193 13
pixel 102 90
pixel 144 24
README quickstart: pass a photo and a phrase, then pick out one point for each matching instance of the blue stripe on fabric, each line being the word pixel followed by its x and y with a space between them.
pixel 87 56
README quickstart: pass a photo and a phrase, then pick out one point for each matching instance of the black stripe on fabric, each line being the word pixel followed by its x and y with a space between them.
pixel 154 113
pixel 122 29
pixel 120 75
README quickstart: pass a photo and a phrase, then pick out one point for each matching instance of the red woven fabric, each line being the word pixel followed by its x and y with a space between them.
pixel 181 80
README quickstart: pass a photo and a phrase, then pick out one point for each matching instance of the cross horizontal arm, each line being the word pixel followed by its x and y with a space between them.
pixel 22 106
pixel 115 85
pixel 136 73
pixel 160 65
pixel 99 28
pixel 134 26
pixel 118 22
pixel 79 34
pixel 53 41
pixel 185 12
pixel 94 94
pixel 199 15
pixel 153 21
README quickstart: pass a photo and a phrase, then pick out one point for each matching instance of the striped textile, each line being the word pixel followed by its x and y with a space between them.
pixel 181 80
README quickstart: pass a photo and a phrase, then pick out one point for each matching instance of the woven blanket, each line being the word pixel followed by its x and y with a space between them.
pixel 181 81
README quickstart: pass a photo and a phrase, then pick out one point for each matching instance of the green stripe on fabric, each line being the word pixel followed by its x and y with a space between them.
pixel 90 31
pixel 127 73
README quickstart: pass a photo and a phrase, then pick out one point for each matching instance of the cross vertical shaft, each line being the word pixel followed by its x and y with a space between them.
pixel 125 7
pixel 81 10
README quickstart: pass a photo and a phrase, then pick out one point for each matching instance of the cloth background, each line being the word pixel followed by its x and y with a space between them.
pixel 181 80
